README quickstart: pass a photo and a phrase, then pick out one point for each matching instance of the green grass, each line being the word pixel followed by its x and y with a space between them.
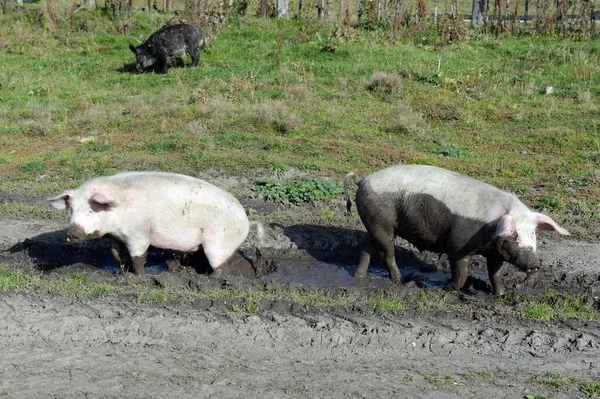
pixel 381 301
pixel 248 300
pixel 266 96
pixel 559 306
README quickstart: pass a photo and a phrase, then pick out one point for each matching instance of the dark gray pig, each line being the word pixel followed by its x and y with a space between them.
pixel 445 212
pixel 166 210
pixel 169 41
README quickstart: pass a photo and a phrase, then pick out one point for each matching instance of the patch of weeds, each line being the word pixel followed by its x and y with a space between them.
pixel 558 306
pixel 381 301
pixel 449 150
pixel 193 156
pixel 33 166
pixel 157 295
pixel 548 201
pixel 385 85
pixel 429 300
pixel 298 191
pixel 98 147
pixel 590 389
pixel 404 121
pixel 170 143
pixel 278 116
pixel 47 155
pixel 438 380
pixel 555 381
pixel 77 286
pixel 14 280
pixel 308 165
pixel 249 304
pixel 278 168
pixel 485 374
pixel 325 213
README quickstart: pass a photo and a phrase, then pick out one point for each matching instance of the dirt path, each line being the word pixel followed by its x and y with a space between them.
pixel 106 348
pixel 53 348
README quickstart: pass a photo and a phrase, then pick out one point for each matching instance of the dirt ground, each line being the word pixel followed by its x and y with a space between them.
pixel 53 347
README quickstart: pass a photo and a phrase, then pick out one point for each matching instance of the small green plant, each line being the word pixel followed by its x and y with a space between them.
pixel 249 304
pixel 193 156
pixel 170 143
pixel 438 380
pixel 381 301
pixel 14 279
pixel 555 381
pixel 449 150
pixel 157 295
pixel 298 191
pixel 34 166
pixel 590 389
pixel 98 147
pixel 278 168
pixel 557 306
pixel 548 201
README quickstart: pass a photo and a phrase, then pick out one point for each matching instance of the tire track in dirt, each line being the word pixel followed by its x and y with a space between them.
pixel 56 348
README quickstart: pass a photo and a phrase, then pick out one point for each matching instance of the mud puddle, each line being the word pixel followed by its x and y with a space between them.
pixel 308 254
pixel 337 274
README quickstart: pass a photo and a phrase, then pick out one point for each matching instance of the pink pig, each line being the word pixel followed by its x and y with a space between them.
pixel 166 210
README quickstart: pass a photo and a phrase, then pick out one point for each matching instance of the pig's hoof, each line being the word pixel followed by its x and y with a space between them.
pixel 172 265
pixel 451 287
pixel 358 275
pixel 216 273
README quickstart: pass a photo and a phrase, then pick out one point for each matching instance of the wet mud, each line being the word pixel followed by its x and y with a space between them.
pixel 107 347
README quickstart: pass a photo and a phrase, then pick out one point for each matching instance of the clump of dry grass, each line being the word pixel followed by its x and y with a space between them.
pixel 39 121
pixel 404 120
pixel 297 93
pixel 277 115
pixel 220 114
pixel 385 84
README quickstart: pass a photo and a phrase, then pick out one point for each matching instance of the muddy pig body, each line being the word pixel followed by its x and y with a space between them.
pixel 165 210
pixel 169 41
pixel 445 212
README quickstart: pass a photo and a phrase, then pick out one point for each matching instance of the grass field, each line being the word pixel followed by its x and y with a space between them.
pixel 518 112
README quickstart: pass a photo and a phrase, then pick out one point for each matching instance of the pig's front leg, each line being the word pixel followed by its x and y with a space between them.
pixel 137 252
pixel 458 267
pixel 494 266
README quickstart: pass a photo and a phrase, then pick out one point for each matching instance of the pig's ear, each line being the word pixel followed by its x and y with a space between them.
pixel 544 222
pixel 132 48
pixel 61 201
pixel 506 226
pixel 102 200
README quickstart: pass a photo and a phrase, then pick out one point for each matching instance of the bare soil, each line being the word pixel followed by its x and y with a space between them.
pixel 54 347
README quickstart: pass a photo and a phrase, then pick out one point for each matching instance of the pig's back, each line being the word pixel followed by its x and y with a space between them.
pixel 462 195
pixel 179 199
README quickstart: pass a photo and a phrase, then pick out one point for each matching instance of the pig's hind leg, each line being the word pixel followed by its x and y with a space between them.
pixel 217 254
pixel 194 53
pixel 383 241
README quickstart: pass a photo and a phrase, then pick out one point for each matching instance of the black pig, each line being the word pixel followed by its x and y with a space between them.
pixel 445 212
pixel 169 41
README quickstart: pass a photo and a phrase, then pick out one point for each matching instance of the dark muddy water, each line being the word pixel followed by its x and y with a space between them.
pixel 326 274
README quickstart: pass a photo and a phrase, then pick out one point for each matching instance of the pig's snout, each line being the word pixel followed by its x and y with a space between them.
pixel 76 235
pixel 527 261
